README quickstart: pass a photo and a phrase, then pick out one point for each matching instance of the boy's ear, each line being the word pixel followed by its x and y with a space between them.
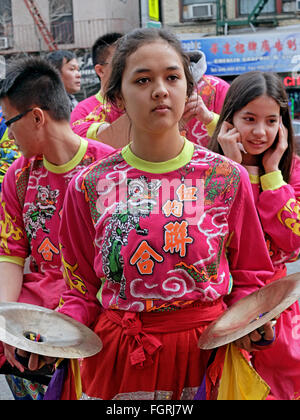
pixel 99 70
pixel 38 115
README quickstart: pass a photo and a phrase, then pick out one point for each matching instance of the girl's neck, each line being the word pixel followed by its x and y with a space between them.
pixel 251 160
pixel 157 148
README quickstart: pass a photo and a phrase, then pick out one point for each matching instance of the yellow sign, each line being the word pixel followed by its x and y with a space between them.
pixel 154 10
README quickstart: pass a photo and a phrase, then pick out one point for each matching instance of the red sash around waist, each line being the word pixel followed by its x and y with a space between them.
pixel 278 275
pixel 141 325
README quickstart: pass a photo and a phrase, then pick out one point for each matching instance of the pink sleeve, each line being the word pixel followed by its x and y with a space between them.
pixel 279 211
pixel 85 114
pixel 13 238
pixel 221 91
pixel 79 112
pixel 249 261
pixel 76 239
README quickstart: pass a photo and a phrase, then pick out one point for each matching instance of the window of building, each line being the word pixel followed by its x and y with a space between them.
pixel 289 6
pixel 61 21
pixel 188 2
pixel 6 27
pixel 246 6
pixel 198 9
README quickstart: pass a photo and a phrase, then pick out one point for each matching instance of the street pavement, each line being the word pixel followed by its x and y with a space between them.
pixel 5 393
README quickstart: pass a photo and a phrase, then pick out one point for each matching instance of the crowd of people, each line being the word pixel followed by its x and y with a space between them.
pixel 144 212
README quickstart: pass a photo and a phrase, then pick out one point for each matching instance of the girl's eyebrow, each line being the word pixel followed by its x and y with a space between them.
pixel 252 113
pixel 142 70
pixel 145 70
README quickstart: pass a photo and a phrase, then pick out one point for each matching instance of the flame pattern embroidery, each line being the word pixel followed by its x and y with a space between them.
pixel 73 281
pixel 8 230
pixel 289 216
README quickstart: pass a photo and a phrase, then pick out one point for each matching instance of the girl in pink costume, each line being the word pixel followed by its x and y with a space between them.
pixel 169 230
pixel 255 130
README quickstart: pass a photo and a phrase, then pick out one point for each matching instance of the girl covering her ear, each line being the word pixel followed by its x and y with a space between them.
pixel 165 224
pixel 255 129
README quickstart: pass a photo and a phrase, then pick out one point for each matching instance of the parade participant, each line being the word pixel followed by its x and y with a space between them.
pixel 37 112
pixel 94 114
pixel 203 107
pixel 255 130
pixel 67 64
pixel 8 150
pixel 156 261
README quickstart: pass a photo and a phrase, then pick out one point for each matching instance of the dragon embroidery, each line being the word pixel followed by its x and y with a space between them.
pixel 39 212
pixel 141 199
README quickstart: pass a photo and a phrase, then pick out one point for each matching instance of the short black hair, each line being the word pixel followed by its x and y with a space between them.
pixel 33 82
pixel 56 58
pixel 101 45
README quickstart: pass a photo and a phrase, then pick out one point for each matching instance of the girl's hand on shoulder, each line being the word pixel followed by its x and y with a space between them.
pixel 196 108
pixel 229 139
pixel 273 155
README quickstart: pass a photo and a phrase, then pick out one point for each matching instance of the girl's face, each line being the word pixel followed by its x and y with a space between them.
pixel 154 88
pixel 258 124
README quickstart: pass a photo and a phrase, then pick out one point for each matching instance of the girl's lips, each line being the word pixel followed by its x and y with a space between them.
pixel 161 108
pixel 256 143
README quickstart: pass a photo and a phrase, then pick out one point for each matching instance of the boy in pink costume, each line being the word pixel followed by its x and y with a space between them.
pixel 258 133
pixel 94 113
pixel 33 195
pixel 34 186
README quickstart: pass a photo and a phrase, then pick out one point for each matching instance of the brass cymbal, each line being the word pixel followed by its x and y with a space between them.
pixel 46 332
pixel 251 312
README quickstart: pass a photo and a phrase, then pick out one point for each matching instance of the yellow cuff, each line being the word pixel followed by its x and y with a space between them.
pixel 92 131
pixel 272 181
pixel 254 179
pixel 212 125
pixel 13 260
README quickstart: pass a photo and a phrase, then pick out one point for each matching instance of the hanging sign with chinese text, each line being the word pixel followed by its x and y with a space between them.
pixel 271 51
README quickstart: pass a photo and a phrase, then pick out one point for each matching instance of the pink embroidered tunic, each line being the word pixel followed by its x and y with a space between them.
pixel 90 114
pixel 30 212
pixel 160 236
pixel 278 206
